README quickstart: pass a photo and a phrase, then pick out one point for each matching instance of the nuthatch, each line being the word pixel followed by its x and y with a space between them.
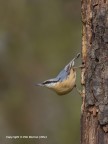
pixel 65 80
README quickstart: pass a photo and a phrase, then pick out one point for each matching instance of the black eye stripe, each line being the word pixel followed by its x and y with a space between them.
pixel 48 82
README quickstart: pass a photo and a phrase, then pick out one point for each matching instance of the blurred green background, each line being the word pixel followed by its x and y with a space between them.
pixel 37 39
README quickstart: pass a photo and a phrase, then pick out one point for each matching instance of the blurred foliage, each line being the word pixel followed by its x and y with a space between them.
pixel 37 39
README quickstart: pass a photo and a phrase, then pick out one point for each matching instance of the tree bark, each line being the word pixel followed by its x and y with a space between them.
pixel 94 117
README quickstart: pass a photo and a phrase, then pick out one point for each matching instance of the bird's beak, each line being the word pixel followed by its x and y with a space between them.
pixel 38 84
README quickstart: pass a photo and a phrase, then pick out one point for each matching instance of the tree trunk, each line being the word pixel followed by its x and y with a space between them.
pixel 94 118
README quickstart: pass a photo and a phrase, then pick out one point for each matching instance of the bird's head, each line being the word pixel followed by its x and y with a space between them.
pixel 48 83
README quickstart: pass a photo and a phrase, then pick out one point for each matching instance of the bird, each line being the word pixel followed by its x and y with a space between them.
pixel 65 81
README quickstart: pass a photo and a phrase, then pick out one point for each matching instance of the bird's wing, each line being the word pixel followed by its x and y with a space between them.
pixel 62 75
pixel 66 71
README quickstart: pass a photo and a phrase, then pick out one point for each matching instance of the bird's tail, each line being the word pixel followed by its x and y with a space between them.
pixel 77 56
pixel 72 63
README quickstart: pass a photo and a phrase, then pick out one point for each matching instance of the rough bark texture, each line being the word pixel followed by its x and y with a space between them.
pixel 94 119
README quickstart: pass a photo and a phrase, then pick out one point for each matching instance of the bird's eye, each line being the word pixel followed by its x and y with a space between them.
pixel 48 82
